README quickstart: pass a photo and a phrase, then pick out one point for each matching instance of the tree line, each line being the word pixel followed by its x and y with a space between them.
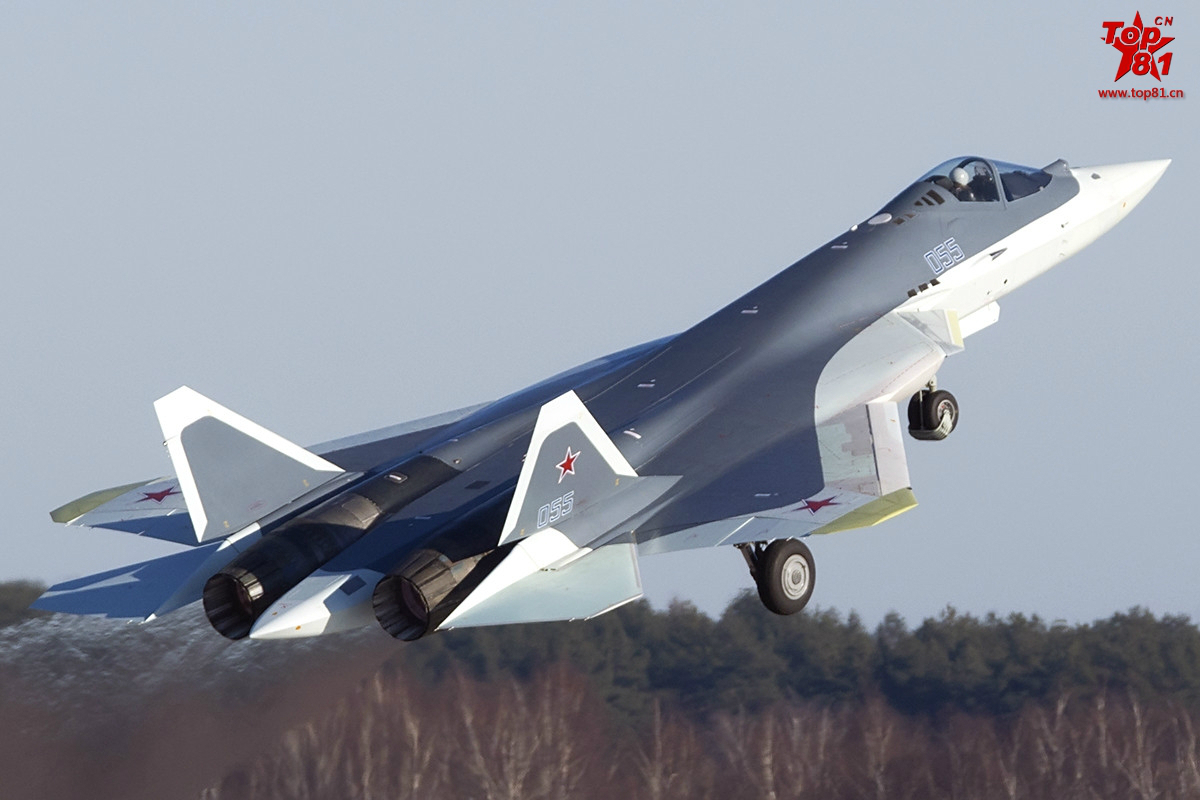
pixel 551 738
pixel 650 703
pixel 751 659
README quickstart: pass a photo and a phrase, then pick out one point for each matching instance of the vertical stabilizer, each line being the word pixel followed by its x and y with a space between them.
pixel 575 555
pixel 232 472
pixel 575 479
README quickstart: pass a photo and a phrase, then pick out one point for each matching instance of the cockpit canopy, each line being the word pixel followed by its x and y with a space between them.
pixel 967 182
pixel 973 179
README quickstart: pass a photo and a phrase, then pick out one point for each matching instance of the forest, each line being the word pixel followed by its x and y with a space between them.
pixel 644 703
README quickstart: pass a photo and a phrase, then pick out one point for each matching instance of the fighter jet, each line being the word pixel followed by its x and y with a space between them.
pixel 773 421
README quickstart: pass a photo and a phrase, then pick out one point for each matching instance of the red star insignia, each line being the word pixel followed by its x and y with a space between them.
pixel 567 465
pixel 813 506
pixel 158 497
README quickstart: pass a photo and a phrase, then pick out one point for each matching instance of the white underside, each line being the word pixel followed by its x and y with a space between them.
pixel 1101 203
pixel 901 352
pixel 324 602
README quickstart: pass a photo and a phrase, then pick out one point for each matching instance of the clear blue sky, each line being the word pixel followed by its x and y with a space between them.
pixel 335 218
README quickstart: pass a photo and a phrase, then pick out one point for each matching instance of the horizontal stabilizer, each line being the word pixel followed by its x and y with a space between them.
pixel 148 589
pixel 156 508
pixel 232 472
pixel 132 592
pixel 152 508
pixel 588 586
pixel 75 509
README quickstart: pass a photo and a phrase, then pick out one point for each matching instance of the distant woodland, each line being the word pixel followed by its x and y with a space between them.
pixel 636 704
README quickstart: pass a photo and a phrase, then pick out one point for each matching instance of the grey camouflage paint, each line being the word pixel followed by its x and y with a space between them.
pixel 728 404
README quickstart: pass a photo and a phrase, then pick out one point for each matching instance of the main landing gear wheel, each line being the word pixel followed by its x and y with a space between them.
pixel 784 572
pixel 932 415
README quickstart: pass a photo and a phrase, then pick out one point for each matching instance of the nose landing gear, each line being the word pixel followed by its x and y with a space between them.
pixel 932 413
pixel 784 572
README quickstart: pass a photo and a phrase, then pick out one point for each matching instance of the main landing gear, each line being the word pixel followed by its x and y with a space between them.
pixel 932 413
pixel 783 571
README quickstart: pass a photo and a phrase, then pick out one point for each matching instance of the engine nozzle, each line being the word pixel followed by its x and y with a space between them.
pixel 416 596
pixel 237 596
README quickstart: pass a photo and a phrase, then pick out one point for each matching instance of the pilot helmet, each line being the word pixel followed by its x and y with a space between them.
pixel 960 176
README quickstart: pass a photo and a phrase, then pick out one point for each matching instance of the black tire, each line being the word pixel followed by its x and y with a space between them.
pixel 915 418
pixel 786 576
pixel 936 404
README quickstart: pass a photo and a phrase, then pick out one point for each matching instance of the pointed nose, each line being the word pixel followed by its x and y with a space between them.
pixel 1125 184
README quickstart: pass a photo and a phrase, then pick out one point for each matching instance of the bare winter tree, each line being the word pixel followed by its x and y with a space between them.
pixel 1134 750
pixel 379 743
pixel 1058 750
pixel 809 736
pixel 964 741
pixel 877 746
pixel 1004 758
pixel 1187 757
pixel 532 740
pixel 671 762
pixel 548 737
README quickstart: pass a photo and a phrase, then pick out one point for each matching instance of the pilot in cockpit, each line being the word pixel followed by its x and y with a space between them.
pixel 962 184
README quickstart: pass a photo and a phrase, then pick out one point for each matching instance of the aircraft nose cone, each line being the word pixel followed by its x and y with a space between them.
pixel 1124 183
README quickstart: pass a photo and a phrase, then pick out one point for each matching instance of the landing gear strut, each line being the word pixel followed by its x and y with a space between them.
pixel 932 413
pixel 784 573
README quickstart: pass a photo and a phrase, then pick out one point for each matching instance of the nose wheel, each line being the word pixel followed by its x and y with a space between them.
pixel 932 414
pixel 784 573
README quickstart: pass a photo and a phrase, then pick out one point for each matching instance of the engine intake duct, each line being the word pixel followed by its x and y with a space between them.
pixel 237 596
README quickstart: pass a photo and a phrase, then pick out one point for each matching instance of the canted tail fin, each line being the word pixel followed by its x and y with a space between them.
pixel 575 479
pixel 232 472
pixel 571 518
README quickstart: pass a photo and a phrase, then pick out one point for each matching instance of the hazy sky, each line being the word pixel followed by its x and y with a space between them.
pixel 332 218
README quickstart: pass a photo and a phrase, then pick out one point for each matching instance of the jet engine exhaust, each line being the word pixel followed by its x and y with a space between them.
pixel 237 596
pixel 412 599
pixel 427 585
